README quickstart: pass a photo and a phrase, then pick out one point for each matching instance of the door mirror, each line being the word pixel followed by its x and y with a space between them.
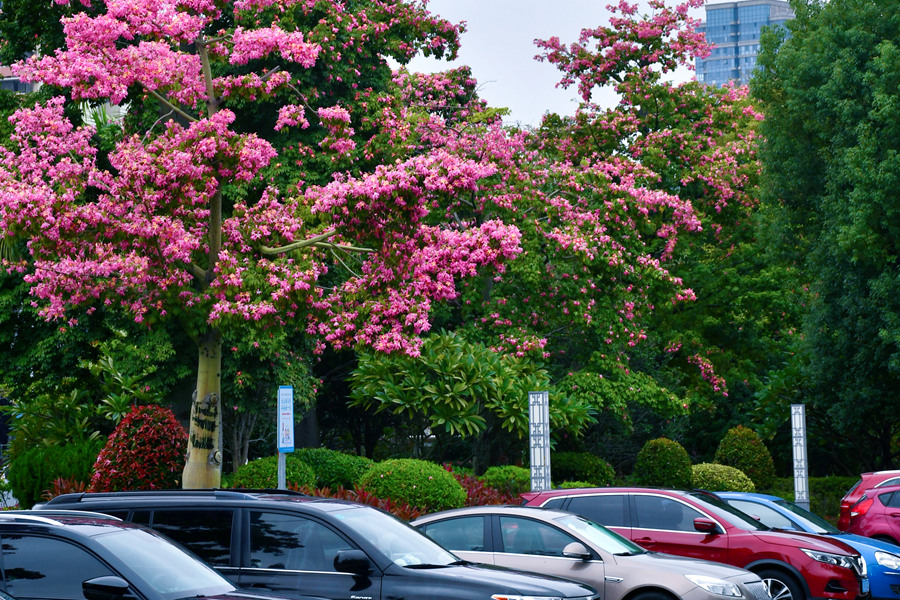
pixel 576 550
pixel 706 526
pixel 108 587
pixel 352 561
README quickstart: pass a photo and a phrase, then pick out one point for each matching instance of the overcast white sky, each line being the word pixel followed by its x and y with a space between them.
pixel 499 47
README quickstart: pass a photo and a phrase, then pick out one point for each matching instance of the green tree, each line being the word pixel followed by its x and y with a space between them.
pixel 832 164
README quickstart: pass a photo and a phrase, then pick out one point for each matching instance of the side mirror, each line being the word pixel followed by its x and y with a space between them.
pixel 108 587
pixel 706 526
pixel 352 561
pixel 576 550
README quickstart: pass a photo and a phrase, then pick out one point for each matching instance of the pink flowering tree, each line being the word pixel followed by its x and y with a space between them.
pixel 194 215
pixel 698 144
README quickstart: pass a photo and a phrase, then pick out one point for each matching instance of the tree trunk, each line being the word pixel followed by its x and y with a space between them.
pixel 203 467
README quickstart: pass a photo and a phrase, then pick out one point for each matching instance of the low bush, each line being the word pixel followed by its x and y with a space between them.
pixel 33 471
pixel 581 466
pixel 569 485
pixel 663 463
pixel 419 483
pixel 478 492
pixel 145 452
pixel 509 479
pixel 742 449
pixel 721 478
pixel 262 473
pixel 334 469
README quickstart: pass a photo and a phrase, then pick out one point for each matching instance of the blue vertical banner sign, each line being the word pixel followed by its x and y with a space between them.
pixel 285 433
pixel 801 473
pixel 539 438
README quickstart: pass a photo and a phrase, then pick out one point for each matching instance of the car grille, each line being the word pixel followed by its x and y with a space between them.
pixel 759 590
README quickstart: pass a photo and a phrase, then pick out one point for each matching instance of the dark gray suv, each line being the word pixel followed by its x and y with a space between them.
pixel 301 545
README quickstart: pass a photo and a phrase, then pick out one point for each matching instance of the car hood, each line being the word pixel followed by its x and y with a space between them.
pixel 246 595
pixel 669 563
pixel 473 576
pixel 799 539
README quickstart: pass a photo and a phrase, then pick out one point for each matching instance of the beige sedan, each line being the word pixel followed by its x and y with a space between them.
pixel 559 543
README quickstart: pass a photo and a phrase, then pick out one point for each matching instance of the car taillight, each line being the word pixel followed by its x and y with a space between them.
pixel 861 507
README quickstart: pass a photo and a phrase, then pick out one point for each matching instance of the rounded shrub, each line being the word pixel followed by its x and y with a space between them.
pixel 334 469
pixel 509 479
pixel 581 466
pixel 570 485
pixel 742 449
pixel 663 463
pixel 145 452
pixel 32 472
pixel 419 483
pixel 262 473
pixel 721 478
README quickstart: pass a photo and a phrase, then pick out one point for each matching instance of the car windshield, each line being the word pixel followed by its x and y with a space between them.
pixel 600 536
pixel 164 566
pixel 811 521
pixel 398 541
pixel 723 510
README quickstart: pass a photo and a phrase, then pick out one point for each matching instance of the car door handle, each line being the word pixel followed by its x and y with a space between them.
pixel 645 541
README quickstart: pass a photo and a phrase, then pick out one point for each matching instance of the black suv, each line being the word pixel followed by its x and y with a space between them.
pixel 296 544
pixel 69 555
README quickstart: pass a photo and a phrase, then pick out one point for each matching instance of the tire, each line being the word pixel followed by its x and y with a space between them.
pixel 781 586
pixel 653 595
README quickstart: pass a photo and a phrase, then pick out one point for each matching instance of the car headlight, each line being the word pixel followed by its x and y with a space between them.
pixel 838 560
pixel 714 585
pixel 888 560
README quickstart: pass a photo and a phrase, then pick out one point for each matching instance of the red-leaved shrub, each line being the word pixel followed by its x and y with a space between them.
pixel 145 452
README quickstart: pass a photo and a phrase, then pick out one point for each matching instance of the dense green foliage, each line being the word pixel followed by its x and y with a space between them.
pixel 720 478
pixel 742 449
pixel 31 474
pixel 663 463
pixel 509 479
pixel 262 473
pixel 332 468
pixel 832 163
pixel 145 452
pixel 580 466
pixel 416 482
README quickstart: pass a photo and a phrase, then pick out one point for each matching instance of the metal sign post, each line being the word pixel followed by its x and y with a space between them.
pixel 801 476
pixel 285 433
pixel 539 417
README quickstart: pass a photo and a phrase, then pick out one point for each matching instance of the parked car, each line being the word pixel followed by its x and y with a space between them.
pixel 292 544
pixel 866 481
pixel 564 544
pixel 76 556
pixel 795 565
pixel 877 514
pixel 882 559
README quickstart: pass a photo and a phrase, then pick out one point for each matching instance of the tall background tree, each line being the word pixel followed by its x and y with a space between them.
pixel 832 176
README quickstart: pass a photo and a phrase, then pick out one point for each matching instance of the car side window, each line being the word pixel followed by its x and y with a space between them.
pixel 767 516
pixel 463 533
pixel 39 567
pixel 206 533
pixel 556 503
pixel 658 512
pixel 605 509
pixel 524 536
pixel 291 542
pixel 887 482
pixel 891 499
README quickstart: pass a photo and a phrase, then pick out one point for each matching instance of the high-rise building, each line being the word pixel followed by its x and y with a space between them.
pixel 734 28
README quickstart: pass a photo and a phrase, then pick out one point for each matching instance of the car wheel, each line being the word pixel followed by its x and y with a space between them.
pixel 653 596
pixel 781 586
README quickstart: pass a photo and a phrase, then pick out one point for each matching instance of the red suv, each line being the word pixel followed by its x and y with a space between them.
pixel 866 481
pixel 877 514
pixel 794 565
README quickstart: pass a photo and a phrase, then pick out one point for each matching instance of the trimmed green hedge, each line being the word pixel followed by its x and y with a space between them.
pixel 663 463
pixel 742 449
pixel 262 473
pixel 720 478
pixel 509 479
pixel 334 469
pixel 419 483
pixel 32 471
pixel 581 466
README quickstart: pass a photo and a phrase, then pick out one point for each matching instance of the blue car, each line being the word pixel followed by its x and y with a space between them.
pixel 882 559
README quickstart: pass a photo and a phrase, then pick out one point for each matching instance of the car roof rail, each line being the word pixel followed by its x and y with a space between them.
pixel 233 494
pixel 57 512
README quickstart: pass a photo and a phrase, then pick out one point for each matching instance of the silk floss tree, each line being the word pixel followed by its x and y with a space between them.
pixel 183 220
